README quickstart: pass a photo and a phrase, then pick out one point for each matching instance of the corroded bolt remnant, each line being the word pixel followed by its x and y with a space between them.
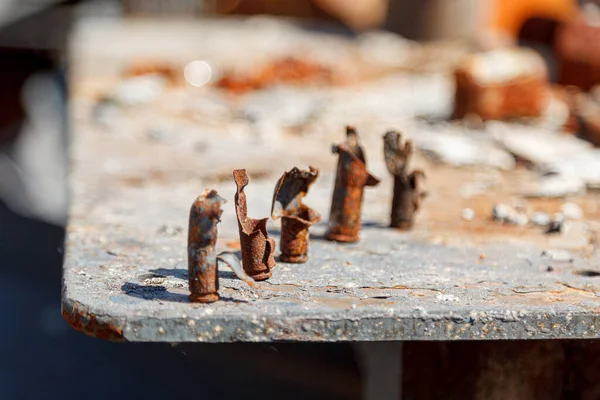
pixel 295 216
pixel 203 276
pixel 408 193
pixel 351 178
pixel 258 249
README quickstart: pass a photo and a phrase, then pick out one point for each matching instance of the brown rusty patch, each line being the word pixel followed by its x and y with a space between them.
pixel 571 296
pixel 285 70
pixel 169 72
pixel 88 323
pixel 521 96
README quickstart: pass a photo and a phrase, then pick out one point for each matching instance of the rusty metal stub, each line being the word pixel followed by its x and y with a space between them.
pixel 202 257
pixel 351 178
pixel 258 258
pixel 296 217
pixel 408 193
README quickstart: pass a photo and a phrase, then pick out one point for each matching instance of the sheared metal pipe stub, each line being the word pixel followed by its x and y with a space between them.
pixel 258 249
pixel 351 178
pixel 203 277
pixel 203 271
pixel 408 193
pixel 296 217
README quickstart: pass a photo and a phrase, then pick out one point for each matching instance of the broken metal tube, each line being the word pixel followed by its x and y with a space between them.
pixel 295 216
pixel 203 278
pixel 406 201
pixel 407 187
pixel 351 178
pixel 258 248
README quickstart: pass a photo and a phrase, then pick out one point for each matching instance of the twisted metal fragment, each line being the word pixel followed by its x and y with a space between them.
pixel 408 193
pixel 295 216
pixel 258 249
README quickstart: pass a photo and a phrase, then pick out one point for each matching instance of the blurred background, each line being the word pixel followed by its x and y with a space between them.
pixel 41 356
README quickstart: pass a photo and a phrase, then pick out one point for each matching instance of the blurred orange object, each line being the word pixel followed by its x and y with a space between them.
pixel 170 72
pixel 508 16
pixel 578 51
pixel 286 70
pixel 294 70
pixel 501 84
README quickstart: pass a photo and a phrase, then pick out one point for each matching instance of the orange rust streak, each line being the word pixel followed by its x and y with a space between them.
pixel 87 323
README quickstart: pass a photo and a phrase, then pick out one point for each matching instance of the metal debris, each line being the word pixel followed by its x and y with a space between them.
pixel 202 258
pixel 351 178
pixel 408 193
pixel 295 216
pixel 258 250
